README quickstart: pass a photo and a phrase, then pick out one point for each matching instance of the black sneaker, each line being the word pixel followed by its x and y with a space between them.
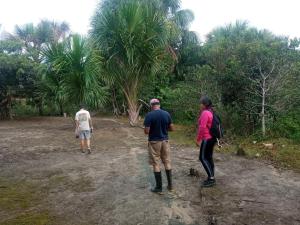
pixel 82 150
pixel 89 151
pixel 209 183
pixel 156 190
pixel 170 188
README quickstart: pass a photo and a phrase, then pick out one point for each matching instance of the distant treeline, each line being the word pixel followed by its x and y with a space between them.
pixel 137 50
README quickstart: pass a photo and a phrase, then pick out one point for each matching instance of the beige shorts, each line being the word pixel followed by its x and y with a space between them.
pixel 159 150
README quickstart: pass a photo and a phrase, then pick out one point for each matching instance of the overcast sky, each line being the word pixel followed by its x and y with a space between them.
pixel 280 16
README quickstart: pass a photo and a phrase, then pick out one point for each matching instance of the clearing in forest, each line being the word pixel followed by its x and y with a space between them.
pixel 45 179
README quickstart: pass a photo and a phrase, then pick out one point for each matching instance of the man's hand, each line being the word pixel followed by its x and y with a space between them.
pixel 147 130
pixel 171 127
pixel 198 143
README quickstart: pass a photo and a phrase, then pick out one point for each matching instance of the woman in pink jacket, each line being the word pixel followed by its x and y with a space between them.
pixel 205 140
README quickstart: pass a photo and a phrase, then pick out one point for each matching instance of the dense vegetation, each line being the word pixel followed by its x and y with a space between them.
pixel 139 49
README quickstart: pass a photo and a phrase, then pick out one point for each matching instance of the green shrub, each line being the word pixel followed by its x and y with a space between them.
pixel 288 126
pixel 21 110
pixel 28 109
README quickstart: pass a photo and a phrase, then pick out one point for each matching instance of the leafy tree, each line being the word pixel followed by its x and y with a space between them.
pixel 17 75
pixel 11 47
pixel 132 41
pixel 35 38
pixel 51 86
pixel 252 68
pixel 29 41
pixel 74 74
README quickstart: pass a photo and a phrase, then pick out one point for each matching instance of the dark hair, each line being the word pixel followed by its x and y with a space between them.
pixel 82 106
pixel 206 101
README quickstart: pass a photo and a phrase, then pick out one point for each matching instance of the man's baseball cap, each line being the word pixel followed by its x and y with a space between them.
pixel 154 101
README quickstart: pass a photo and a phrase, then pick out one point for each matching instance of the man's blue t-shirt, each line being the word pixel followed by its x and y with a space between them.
pixel 159 122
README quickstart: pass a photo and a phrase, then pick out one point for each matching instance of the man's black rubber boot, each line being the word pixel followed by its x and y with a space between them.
pixel 158 188
pixel 169 178
pixel 209 183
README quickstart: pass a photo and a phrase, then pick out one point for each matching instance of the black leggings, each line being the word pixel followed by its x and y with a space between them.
pixel 206 156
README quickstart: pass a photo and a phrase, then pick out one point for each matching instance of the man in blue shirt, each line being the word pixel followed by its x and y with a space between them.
pixel 157 124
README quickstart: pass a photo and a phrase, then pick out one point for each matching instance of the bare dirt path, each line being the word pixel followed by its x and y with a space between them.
pixel 45 179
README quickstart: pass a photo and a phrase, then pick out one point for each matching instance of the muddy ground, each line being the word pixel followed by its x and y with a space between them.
pixel 45 179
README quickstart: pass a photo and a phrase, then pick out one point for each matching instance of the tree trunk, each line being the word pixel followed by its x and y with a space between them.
pixel 9 107
pixel 40 108
pixel 61 109
pixel 4 109
pixel 133 106
pixel 263 113
pixel 115 103
pixel 133 112
pixel 39 105
pixel 9 103
pixel 124 113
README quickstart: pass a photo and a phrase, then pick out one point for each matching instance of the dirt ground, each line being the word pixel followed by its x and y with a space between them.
pixel 45 179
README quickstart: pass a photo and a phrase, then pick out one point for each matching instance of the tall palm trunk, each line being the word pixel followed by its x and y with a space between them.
pixel 133 112
pixel 133 106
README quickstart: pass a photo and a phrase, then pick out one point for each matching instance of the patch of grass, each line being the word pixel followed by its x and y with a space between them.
pixel 290 157
pixel 21 201
pixel 32 218
pixel 285 153
pixel 21 110
pixel 183 135
pixel 16 195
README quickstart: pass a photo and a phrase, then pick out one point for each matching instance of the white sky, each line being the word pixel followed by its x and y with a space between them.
pixel 280 16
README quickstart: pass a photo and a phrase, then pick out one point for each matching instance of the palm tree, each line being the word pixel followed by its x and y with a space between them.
pixel 170 6
pixel 132 40
pixel 74 73
pixel 36 37
pixel 33 40
pixel 183 42
pixel 50 87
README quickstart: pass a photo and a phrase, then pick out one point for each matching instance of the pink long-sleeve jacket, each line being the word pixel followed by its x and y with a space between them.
pixel 204 125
